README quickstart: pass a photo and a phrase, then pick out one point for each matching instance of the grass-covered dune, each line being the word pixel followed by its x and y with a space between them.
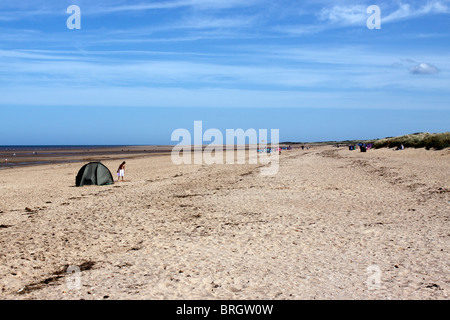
pixel 437 141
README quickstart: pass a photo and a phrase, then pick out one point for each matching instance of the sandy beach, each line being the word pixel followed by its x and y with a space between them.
pixel 331 224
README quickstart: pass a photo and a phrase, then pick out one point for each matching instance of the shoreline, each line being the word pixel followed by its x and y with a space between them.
pixel 29 156
pixel 47 155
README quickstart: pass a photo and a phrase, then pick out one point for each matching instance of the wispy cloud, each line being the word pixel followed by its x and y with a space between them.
pixel 407 11
pixel 224 47
pixel 18 10
pixel 347 15
pixel 347 68
pixel 14 15
pixel 212 22
pixel 344 15
pixel 177 4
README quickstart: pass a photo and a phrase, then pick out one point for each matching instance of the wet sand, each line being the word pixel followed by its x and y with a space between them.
pixel 11 157
pixel 331 224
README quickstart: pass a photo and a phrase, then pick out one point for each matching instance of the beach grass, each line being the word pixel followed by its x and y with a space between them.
pixel 436 141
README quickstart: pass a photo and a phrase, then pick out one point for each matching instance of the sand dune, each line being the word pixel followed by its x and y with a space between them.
pixel 332 224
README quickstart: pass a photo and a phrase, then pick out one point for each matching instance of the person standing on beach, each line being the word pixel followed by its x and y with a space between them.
pixel 121 171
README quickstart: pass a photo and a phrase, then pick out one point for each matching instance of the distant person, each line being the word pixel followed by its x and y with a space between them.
pixel 121 171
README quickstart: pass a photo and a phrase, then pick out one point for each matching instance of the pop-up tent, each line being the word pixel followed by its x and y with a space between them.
pixel 94 173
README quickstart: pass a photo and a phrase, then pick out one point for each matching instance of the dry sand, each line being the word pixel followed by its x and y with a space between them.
pixel 332 224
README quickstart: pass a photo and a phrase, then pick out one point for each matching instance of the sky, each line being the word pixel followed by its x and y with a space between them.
pixel 134 71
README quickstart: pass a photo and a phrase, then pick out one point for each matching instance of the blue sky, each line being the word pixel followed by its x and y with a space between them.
pixel 137 70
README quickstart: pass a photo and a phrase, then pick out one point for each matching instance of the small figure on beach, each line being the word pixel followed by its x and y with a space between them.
pixel 401 147
pixel 121 171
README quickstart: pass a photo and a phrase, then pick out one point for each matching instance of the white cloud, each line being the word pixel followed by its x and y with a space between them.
pixel 353 15
pixel 424 68
pixel 406 11
pixel 344 15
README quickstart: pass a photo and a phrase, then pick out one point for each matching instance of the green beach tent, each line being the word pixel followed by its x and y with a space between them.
pixel 94 173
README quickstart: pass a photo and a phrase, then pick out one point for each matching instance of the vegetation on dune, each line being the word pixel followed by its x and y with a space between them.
pixel 437 141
